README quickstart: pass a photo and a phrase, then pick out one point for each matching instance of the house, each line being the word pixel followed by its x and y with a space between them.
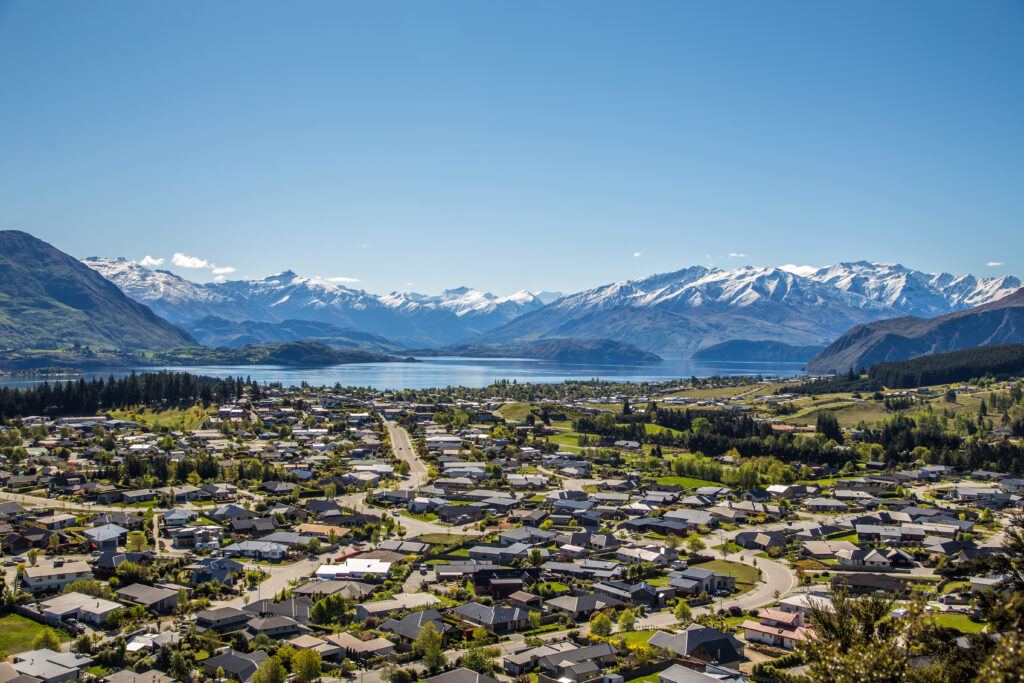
pixel 825 505
pixel 50 667
pixel 106 536
pixel 635 594
pixel 580 664
pixel 496 619
pixel 409 627
pixel 178 517
pixel 712 673
pixel 238 665
pixel 276 627
pixel 220 569
pixel 761 540
pixel 776 628
pixel 700 642
pixel 158 599
pixel 129 676
pixel 695 580
pixel 824 550
pixel 460 675
pixel 884 560
pixel 260 550
pixel 221 619
pixel 78 606
pixel 298 608
pixel 580 607
pixel 402 601
pixel 40 579
pixel 361 649
pixel 354 568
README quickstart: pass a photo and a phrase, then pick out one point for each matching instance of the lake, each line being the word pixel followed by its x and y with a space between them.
pixel 467 372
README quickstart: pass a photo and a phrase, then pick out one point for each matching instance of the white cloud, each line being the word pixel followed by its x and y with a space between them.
pixel 183 261
pixel 636 254
pixel 736 254
pixel 149 261
pixel 222 270
pixel 342 279
pixel 798 270
pixel 995 264
pixel 220 278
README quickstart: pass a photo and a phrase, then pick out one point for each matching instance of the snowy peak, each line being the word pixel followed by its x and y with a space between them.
pixel 465 301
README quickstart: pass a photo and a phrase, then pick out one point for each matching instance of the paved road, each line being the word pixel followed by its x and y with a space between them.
pixel 418 476
pixel 402 446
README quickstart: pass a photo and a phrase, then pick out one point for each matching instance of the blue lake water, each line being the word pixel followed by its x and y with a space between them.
pixel 467 372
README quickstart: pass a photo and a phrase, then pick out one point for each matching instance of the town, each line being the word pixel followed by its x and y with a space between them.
pixel 570 533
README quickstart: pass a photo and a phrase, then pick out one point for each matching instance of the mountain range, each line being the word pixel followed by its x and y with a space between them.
pixel 49 300
pixel 408 318
pixel 672 314
pixel 999 322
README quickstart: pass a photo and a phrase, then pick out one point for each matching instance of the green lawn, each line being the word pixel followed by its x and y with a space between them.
pixel 746 576
pixel 650 428
pixel 649 678
pixel 17 633
pixel 515 411
pixel 685 482
pixel 422 516
pixel 634 637
pixel 961 622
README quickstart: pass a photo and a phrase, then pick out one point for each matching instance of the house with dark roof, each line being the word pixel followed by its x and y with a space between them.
pixel 410 626
pixel 238 665
pixel 496 618
pixel 700 642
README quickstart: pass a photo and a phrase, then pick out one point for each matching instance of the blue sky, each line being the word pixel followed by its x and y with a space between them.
pixel 508 145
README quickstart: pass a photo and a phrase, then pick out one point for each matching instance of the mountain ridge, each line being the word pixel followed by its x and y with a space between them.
pixel 995 323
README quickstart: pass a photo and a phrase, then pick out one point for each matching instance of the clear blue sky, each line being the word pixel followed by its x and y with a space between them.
pixel 515 144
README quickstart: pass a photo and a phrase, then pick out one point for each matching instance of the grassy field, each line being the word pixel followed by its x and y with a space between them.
pixel 961 622
pixel 18 633
pixel 658 429
pixel 685 482
pixel 746 576
pixel 173 419
pixel 515 411
pixel 635 637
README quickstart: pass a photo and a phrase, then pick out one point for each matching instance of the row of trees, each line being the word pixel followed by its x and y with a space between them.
pixel 81 397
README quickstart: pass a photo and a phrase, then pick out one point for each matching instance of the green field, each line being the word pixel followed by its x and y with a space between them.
pixel 685 482
pixel 17 633
pixel 173 419
pixel 658 429
pixel 634 637
pixel 746 576
pixel 516 411
pixel 961 622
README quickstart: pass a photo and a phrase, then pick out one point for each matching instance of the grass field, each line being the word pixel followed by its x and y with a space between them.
pixel 635 637
pixel 17 633
pixel 685 482
pixel 173 419
pixel 658 429
pixel 515 411
pixel 746 576
pixel 961 622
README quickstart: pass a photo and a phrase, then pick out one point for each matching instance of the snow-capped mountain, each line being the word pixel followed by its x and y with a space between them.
pixel 466 302
pixel 678 313
pixel 912 292
pixel 673 314
pixel 410 318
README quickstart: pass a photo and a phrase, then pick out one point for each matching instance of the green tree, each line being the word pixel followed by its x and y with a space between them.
pixel 306 666
pixel 627 619
pixel 479 659
pixel 270 671
pixel 47 640
pixel 428 647
pixel 601 625
pixel 682 611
